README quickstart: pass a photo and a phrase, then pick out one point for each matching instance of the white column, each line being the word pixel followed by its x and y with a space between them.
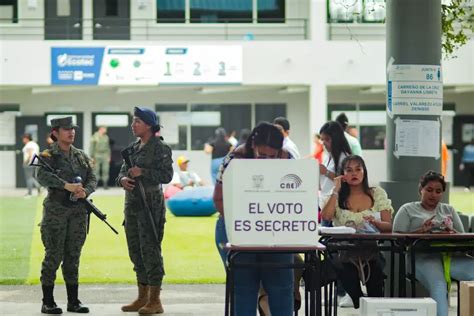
pixel 87 23
pixel 317 107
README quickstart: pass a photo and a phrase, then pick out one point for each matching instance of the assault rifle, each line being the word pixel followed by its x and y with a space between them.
pixel 38 161
pixel 127 157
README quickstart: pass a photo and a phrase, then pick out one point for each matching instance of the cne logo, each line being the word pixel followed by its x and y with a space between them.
pixel 290 181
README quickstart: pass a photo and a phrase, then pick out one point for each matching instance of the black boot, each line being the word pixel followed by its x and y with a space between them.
pixel 73 303
pixel 49 306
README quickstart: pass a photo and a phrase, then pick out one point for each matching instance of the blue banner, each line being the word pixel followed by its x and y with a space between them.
pixel 76 65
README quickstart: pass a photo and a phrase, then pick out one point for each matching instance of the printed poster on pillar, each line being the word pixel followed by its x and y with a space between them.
pixel 414 90
pixel 271 202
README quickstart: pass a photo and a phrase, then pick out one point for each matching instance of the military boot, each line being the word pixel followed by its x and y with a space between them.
pixel 73 303
pixel 141 300
pixel 49 305
pixel 153 306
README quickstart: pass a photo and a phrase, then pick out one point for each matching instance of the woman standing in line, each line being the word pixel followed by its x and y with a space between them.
pixel 218 148
pixel 265 142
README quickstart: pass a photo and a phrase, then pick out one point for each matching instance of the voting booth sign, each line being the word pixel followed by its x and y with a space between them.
pixel 271 202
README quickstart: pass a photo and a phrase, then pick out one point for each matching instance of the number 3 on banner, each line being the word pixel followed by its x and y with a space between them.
pixel 222 69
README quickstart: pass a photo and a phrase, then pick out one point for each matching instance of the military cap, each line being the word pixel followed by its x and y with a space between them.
pixel 148 116
pixel 64 122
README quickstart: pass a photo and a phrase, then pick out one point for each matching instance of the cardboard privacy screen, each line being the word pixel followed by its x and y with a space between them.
pixel 271 202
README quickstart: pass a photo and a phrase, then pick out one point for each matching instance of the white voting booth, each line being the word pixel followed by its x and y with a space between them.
pixel 271 202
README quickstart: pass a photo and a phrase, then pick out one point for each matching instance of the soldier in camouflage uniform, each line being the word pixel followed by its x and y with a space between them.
pixel 63 227
pixel 100 154
pixel 153 166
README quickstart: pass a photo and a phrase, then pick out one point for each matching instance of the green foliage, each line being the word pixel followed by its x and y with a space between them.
pixel 457 21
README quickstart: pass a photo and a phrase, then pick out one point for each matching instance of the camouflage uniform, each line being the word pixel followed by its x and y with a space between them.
pixel 154 158
pixel 63 227
pixel 100 153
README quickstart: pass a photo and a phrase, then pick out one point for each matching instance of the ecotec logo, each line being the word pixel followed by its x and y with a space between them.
pixel 64 60
pixel 290 181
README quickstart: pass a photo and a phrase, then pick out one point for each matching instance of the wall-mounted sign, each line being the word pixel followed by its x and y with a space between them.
pixel 417 138
pixel 147 65
pixel 414 90
pixel 76 65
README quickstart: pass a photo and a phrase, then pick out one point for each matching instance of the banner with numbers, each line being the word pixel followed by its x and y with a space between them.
pixel 148 65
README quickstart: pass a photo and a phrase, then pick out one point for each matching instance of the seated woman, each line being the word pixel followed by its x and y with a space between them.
pixel 353 203
pixel 264 142
pixel 430 216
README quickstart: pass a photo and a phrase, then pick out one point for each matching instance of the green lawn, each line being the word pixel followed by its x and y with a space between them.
pixel 189 251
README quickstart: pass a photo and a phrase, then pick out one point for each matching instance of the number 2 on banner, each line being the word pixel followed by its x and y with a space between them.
pixel 197 69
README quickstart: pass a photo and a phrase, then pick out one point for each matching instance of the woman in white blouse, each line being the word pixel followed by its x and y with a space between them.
pixel 353 203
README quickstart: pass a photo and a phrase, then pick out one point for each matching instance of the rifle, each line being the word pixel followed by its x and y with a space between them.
pixel 91 208
pixel 127 157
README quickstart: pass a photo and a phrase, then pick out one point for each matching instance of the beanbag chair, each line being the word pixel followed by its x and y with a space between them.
pixel 193 202
pixel 171 190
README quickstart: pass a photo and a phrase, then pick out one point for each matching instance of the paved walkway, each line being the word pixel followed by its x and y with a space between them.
pixel 179 300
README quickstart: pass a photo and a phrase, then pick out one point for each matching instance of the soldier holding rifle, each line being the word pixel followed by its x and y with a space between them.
pixel 64 223
pixel 147 164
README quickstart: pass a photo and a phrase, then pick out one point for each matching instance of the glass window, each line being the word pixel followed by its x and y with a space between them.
pixel 221 11
pixel 372 137
pixel 63 8
pixel 268 112
pixel 8 11
pixel 170 11
pixel 173 118
pixel 374 11
pixel 111 7
pixel 343 11
pixel 271 11
pixel 233 117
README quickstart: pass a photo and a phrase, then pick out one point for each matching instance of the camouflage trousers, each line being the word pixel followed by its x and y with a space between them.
pixel 102 165
pixel 143 249
pixel 63 232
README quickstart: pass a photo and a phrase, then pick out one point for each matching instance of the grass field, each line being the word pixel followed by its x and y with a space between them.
pixel 189 251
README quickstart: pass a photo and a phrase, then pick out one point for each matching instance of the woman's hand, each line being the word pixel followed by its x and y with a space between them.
pixel 73 187
pixel 80 194
pixel 127 183
pixel 427 225
pixel 337 183
pixel 135 172
pixel 370 219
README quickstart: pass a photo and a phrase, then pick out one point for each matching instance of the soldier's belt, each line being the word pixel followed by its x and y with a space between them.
pixel 155 188
pixel 61 196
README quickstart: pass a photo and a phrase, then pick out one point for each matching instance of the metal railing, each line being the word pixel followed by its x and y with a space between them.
pixel 65 28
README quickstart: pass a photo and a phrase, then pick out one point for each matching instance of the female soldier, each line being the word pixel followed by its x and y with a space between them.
pixel 152 166
pixel 64 223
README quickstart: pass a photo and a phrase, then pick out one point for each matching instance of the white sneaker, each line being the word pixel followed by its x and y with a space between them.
pixel 345 301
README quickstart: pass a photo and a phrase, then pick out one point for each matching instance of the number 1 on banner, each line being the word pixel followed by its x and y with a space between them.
pixel 168 69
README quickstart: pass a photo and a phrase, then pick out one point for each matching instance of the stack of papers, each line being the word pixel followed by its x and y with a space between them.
pixel 337 230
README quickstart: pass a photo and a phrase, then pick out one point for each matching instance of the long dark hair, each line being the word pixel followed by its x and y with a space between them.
pixel 220 134
pixel 264 133
pixel 345 188
pixel 339 142
pixel 431 176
